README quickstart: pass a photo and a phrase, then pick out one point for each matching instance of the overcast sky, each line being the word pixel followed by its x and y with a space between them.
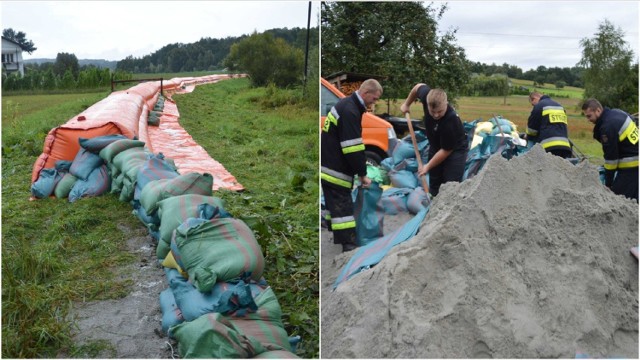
pixel 522 33
pixel 533 33
pixel 112 30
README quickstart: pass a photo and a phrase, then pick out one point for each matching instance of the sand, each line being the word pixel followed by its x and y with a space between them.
pixel 529 259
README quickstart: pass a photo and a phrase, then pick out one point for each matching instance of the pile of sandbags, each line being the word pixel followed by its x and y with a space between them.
pixel 218 304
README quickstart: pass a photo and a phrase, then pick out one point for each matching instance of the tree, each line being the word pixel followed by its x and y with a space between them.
pixel 20 38
pixel 397 40
pixel 267 59
pixel 609 70
pixel 64 62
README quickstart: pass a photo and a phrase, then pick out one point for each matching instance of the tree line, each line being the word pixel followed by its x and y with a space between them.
pixel 63 74
pixel 207 54
pixel 399 42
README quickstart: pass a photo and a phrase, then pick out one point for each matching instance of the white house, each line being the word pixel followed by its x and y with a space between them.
pixel 12 56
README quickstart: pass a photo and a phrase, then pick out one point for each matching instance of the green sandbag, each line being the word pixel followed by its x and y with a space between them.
pixel 174 211
pixel 63 188
pixel 220 249
pixel 213 336
pixel 190 183
pixel 249 336
pixel 116 147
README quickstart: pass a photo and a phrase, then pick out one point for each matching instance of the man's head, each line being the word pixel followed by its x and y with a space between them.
pixel 592 110
pixel 437 103
pixel 370 91
pixel 534 98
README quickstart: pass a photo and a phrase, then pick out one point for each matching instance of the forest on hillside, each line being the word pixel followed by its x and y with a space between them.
pixel 207 53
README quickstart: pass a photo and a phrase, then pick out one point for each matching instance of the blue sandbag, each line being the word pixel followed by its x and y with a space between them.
pixel 46 183
pixel 394 200
pixel 84 163
pixel 97 183
pixel 403 179
pixel 171 314
pixel 417 200
pixel 369 214
pixel 96 144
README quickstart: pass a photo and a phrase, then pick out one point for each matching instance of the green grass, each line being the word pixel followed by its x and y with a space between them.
pixel 550 89
pixel 55 253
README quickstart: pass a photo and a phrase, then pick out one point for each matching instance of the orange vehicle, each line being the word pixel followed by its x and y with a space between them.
pixel 378 135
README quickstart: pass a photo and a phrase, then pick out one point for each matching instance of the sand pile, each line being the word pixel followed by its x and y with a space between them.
pixel 528 259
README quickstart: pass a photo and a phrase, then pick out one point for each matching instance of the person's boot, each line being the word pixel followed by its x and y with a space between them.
pixel 348 247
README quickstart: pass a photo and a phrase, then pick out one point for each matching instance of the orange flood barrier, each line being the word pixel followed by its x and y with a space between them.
pixel 126 112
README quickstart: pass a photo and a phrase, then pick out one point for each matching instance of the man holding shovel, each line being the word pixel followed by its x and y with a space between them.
pixel 448 144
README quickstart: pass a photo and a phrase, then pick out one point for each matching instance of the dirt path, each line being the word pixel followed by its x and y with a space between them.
pixel 129 327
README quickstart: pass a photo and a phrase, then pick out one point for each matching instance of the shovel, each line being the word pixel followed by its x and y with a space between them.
pixel 415 148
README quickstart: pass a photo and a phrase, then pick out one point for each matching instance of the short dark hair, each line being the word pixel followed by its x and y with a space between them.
pixel 592 104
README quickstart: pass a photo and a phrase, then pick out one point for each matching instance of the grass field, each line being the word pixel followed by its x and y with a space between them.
pixel 56 253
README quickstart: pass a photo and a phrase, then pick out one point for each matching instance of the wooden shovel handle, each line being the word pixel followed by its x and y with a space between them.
pixel 415 148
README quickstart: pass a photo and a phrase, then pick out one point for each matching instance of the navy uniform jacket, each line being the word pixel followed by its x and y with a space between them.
pixel 548 125
pixel 446 133
pixel 342 149
pixel 618 134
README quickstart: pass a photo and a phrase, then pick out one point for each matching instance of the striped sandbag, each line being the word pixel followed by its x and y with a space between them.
pixel 277 354
pixel 214 336
pixel 227 298
pixel 96 184
pixel 110 151
pixel 84 163
pixel 155 168
pixel 245 337
pixel 394 200
pixel 174 211
pixel 220 249
pixel 158 190
pixel 96 144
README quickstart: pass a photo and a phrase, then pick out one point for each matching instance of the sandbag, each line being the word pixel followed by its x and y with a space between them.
pixel 46 183
pixel 64 186
pixel 171 314
pixel 403 179
pixel 96 144
pixel 110 151
pixel 220 249
pixel 97 183
pixel 175 210
pixel 152 222
pixel 84 163
pixel 155 168
pixel 394 200
pixel 417 200
pixel 277 354
pixel 369 214
pixel 158 190
pixel 227 298
pixel 245 337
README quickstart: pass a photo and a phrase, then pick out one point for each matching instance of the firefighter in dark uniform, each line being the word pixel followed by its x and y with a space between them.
pixel 547 125
pixel 618 134
pixel 448 144
pixel 342 158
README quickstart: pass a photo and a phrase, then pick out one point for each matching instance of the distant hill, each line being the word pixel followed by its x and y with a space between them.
pixel 100 63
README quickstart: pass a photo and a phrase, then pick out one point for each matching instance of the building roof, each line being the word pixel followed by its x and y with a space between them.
pixel 11 41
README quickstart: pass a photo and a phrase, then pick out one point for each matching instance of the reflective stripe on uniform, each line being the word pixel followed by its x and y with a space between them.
pixel 342 223
pixel 556 114
pixel 532 132
pixel 555 141
pixel 353 145
pixel 611 164
pixel 627 129
pixel 336 177
pixel 628 162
